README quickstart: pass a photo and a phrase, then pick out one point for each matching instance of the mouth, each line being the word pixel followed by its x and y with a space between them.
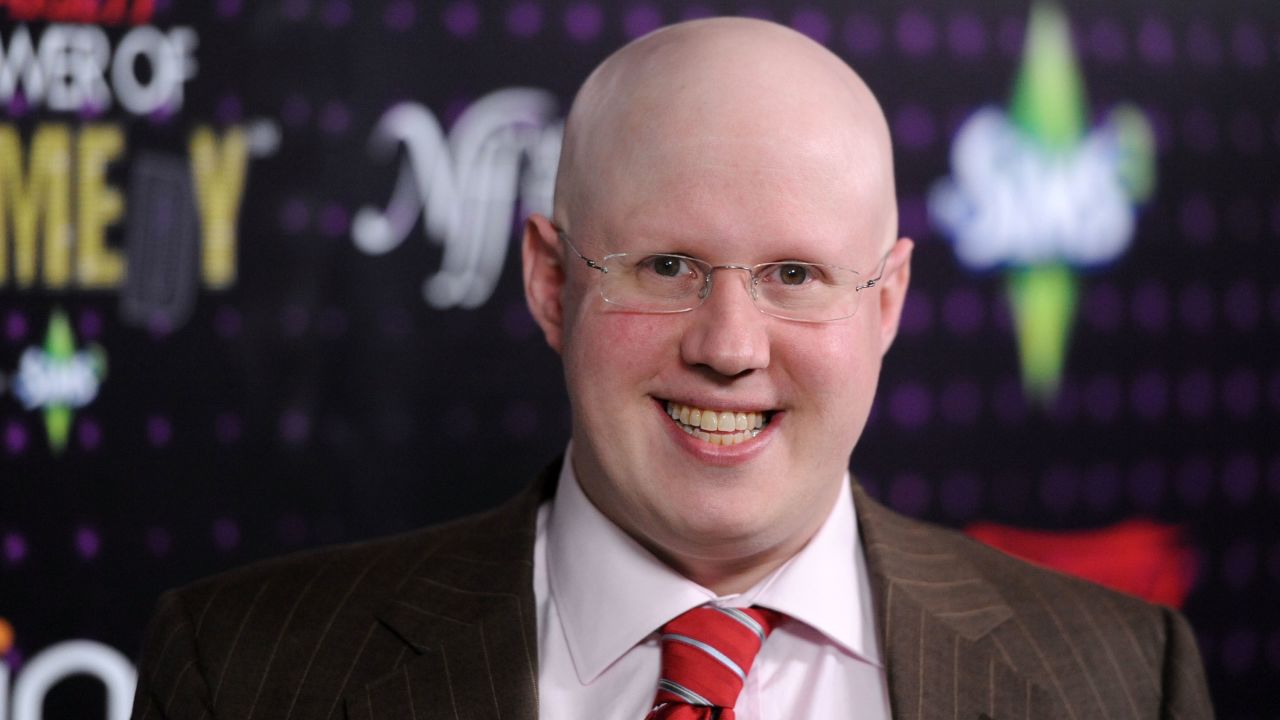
pixel 718 426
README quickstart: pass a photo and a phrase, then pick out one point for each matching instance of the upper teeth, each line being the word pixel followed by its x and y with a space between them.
pixel 723 421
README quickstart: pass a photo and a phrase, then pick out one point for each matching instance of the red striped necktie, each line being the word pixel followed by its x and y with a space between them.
pixel 706 655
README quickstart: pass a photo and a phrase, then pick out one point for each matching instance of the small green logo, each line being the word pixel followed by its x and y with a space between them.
pixel 58 379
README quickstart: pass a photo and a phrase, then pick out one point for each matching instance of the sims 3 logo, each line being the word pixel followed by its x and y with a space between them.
pixel 501 154
pixel 57 379
pixel 1011 202
pixel 1038 194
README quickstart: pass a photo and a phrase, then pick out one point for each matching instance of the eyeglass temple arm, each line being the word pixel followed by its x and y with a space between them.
pixel 884 261
pixel 590 263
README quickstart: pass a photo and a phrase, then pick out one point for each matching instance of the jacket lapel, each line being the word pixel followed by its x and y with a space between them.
pixel 936 614
pixel 468 621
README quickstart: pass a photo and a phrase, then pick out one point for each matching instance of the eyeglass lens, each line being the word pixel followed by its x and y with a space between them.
pixel 675 283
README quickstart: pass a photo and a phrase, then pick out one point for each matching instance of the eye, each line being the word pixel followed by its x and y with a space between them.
pixel 792 274
pixel 671 266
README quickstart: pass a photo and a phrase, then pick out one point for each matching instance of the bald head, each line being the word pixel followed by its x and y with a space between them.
pixel 726 93
pixel 748 147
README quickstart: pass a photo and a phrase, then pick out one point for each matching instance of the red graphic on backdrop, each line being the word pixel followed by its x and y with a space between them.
pixel 1138 557
pixel 104 12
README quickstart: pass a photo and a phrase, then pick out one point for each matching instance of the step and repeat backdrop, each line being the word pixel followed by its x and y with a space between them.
pixel 259 292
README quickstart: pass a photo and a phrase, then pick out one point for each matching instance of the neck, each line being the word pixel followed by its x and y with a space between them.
pixel 727 577
pixel 730 570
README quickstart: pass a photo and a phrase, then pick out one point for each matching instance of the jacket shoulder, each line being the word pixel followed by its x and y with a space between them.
pixel 1125 646
pixel 370 565
pixel 287 636
pixel 1021 584
pixel 367 572
pixel 1101 652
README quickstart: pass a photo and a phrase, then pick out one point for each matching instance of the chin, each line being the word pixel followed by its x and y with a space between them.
pixel 715 524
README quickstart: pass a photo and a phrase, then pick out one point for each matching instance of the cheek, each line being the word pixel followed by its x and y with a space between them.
pixel 616 348
pixel 839 371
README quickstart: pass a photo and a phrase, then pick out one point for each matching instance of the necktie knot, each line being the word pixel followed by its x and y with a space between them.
pixel 706 655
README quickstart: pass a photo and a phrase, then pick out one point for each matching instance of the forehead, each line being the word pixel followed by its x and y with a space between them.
pixel 733 134
pixel 750 197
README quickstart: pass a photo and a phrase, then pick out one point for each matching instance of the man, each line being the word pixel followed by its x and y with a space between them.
pixel 721 276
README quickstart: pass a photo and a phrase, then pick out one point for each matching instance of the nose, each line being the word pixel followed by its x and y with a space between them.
pixel 727 334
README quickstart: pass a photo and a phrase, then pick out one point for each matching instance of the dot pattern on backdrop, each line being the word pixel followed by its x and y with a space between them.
pixel 1206 300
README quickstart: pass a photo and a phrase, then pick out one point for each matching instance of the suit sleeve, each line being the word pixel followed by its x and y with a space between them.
pixel 171 682
pixel 1186 694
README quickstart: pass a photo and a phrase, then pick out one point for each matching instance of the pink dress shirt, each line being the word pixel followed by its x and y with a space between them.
pixel 601 597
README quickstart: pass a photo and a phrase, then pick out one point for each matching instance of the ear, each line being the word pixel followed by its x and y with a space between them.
pixel 544 277
pixel 893 290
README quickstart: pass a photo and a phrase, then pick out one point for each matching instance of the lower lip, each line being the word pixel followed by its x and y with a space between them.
pixel 720 455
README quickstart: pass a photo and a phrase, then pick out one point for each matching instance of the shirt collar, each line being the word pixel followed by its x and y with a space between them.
pixel 611 593
pixel 826 585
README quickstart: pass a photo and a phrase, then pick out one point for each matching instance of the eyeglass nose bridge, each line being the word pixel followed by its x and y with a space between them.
pixel 705 290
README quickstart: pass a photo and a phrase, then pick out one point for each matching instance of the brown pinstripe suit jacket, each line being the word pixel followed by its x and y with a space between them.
pixel 439 623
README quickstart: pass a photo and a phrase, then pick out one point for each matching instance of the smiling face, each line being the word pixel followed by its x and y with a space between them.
pixel 716 152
